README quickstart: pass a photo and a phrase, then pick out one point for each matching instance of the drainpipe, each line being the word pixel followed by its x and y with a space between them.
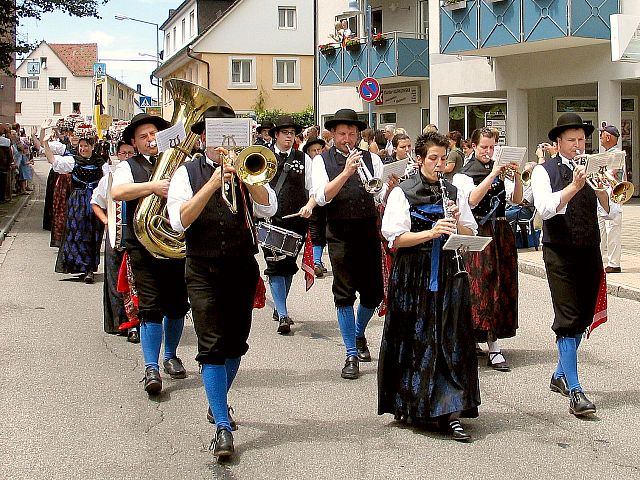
pixel 316 93
pixel 189 50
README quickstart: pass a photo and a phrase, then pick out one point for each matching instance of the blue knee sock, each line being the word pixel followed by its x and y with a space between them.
pixel 287 282
pixel 317 254
pixel 362 320
pixel 559 372
pixel 172 334
pixel 231 365
pixel 151 340
pixel 347 323
pixel 278 286
pixel 214 379
pixel 568 353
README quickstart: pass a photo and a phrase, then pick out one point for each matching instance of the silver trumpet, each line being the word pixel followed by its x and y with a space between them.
pixel 371 184
pixel 461 270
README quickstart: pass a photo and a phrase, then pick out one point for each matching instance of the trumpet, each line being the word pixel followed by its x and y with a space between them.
pixel 526 173
pixel 371 184
pixel 621 191
pixel 462 271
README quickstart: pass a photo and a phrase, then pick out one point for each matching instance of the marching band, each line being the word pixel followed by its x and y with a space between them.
pixel 437 305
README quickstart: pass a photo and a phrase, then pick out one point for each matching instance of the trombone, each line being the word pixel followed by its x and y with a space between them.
pixel 371 184
pixel 254 165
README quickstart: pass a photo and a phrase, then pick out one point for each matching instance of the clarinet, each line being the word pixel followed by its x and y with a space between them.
pixel 461 270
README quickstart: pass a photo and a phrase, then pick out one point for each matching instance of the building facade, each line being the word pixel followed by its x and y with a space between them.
pixel 260 70
pixel 120 100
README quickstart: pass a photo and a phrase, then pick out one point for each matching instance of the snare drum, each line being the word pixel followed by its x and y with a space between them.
pixel 278 239
pixel 116 219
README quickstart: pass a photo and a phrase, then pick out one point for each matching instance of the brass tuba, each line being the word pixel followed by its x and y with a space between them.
pixel 150 221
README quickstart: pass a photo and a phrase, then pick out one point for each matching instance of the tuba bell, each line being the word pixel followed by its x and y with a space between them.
pixel 150 221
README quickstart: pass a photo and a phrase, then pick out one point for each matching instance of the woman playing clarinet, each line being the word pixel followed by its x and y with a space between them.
pixel 428 370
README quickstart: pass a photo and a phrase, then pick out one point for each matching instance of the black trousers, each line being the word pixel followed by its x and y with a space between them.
pixel 160 284
pixel 318 226
pixel 356 262
pixel 221 292
pixel 574 276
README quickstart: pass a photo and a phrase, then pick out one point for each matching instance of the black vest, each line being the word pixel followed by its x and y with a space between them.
pixel 141 170
pixel 478 171
pixel 217 232
pixel 352 201
pixel 579 225
pixel 292 195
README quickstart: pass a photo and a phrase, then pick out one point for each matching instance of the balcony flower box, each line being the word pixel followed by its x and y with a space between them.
pixel 454 4
pixel 327 49
pixel 378 40
pixel 352 45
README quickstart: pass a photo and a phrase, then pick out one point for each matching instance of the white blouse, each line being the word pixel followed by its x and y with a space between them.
pixel 397 220
pixel 66 163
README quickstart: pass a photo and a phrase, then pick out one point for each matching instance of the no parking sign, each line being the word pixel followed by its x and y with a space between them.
pixel 369 89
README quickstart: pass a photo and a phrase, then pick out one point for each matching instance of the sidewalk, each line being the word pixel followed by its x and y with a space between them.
pixel 625 284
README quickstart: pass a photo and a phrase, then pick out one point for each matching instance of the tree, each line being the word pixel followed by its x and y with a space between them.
pixel 11 14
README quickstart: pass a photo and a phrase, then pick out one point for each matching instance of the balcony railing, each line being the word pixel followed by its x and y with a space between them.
pixel 394 54
pixel 477 25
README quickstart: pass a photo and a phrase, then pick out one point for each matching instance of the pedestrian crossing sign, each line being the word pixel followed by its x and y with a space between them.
pixel 145 102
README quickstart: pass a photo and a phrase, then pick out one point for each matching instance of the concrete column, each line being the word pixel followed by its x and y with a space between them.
pixel 439 113
pixel 609 107
pixel 517 118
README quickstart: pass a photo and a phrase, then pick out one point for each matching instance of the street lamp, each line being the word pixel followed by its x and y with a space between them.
pixel 123 17
pixel 354 9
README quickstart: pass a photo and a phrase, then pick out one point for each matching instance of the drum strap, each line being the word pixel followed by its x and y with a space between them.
pixel 281 179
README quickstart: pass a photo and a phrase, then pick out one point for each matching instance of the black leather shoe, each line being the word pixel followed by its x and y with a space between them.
pixel 613 270
pixel 363 351
pixel 152 381
pixel 275 315
pixel 318 271
pixel 580 405
pixel 500 366
pixel 351 369
pixel 222 443
pixel 88 278
pixel 232 422
pixel 175 368
pixel 559 385
pixel 133 337
pixel 457 431
pixel 285 325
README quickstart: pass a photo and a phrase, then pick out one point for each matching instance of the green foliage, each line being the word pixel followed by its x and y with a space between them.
pixel 13 11
pixel 304 118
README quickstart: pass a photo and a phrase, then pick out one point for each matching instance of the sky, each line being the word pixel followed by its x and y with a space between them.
pixel 116 39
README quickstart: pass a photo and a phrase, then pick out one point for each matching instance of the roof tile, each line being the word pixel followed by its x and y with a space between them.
pixel 78 57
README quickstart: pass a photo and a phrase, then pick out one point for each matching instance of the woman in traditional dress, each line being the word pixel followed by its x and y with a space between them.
pixel 82 236
pixel 428 370
pixel 493 273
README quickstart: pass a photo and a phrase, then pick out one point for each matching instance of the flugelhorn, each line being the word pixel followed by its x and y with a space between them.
pixel 526 173
pixel 371 184
pixel 621 191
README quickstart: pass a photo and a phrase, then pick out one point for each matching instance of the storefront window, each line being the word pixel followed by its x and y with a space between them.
pixel 577 106
pixel 475 114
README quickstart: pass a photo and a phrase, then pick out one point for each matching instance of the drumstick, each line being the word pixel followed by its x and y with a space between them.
pixel 291 216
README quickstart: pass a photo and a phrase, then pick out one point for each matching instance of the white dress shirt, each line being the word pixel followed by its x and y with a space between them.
pixel 465 183
pixel 180 191
pixel 321 178
pixel 99 196
pixel 397 220
pixel 123 174
pixel 547 201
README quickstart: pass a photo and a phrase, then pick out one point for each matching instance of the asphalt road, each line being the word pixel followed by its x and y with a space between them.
pixel 73 408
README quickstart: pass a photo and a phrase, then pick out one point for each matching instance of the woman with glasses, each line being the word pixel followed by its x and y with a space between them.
pixel 493 273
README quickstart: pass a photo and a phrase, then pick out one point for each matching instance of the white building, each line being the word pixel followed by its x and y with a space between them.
pixel 60 82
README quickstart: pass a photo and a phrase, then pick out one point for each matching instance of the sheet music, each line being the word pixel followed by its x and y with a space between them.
pixel 170 137
pixel 610 160
pixel 228 132
pixel 398 168
pixel 504 155
pixel 469 242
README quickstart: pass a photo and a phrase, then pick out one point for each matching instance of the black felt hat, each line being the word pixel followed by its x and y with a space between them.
pixel 142 119
pixel 263 125
pixel 284 121
pixel 315 141
pixel 347 116
pixel 220 111
pixel 567 121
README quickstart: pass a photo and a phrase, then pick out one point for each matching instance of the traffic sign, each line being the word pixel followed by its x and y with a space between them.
pixel 369 89
pixel 145 102
pixel 99 70
pixel 33 67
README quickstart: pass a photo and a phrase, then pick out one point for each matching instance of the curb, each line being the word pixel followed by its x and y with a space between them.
pixel 6 227
pixel 614 289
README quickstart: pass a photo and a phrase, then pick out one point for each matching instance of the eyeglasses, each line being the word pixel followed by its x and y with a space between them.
pixel 288 132
pixel 125 153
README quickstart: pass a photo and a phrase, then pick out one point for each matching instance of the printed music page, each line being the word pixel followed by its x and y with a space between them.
pixel 228 132
pixel 468 242
pixel 398 168
pixel 170 137
pixel 506 155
